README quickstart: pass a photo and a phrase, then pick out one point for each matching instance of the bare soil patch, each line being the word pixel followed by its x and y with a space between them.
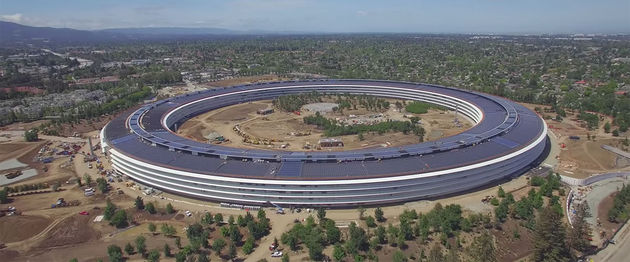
pixel 18 228
pixel 287 131
pixel 512 248
pixel 72 230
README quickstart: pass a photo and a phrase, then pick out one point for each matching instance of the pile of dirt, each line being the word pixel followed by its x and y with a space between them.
pixel 18 228
pixel 72 230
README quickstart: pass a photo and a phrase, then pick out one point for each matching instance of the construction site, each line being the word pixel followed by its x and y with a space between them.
pixel 258 125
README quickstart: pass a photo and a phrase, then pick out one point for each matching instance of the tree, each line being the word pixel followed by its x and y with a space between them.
pixel 482 248
pixel 607 127
pixel 114 253
pixel 153 256
pixel 285 257
pixel 168 230
pixel 248 246
pixel 169 209
pixel 152 228
pixel 615 132
pixel 207 219
pixel 139 203
pixel 218 218
pixel 501 193
pixel 369 221
pixel 381 235
pixel 119 219
pixel 197 235
pixel 4 196
pixel 149 207
pixel 218 245
pixel 235 234
pixel 581 231
pixel 73 260
pixel 338 253
pixel 31 135
pixel 231 220
pixel 167 250
pixel 549 237
pixel 378 214
pixel 141 245
pixel 110 208
pixel 321 213
pixel 102 185
pixel 88 179
pixel 129 249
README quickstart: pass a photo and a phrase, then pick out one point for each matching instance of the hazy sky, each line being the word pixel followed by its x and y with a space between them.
pixel 431 16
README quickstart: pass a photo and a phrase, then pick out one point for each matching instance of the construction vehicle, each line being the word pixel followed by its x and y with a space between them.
pixel 279 209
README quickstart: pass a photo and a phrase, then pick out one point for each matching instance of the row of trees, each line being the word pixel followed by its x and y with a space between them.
pixel 620 210
pixel 332 128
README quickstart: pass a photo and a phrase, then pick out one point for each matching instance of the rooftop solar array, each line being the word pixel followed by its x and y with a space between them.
pixel 147 134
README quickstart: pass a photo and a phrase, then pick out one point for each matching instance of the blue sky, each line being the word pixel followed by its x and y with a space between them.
pixel 429 16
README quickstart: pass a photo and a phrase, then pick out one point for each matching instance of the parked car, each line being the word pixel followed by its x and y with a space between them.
pixel 276 254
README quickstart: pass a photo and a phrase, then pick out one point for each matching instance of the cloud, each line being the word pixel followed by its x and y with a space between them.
pixel 362 13
pixel 15 18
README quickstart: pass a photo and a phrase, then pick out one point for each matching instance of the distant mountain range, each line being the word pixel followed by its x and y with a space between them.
pixel 17 34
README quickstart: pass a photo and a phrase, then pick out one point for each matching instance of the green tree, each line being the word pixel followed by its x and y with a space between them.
pixel 167 250
pixel 218 218
pixel 110 208
pixel 152 228
pixel 581 230
pixel 119 219
pixel 378 214
pixel 169 209
pixel 248 246
pixel 501 193
pixel 218 245
pixel 114 253
pixel 102 185
pixel 129 249
pixel 168 230
pixel 202 258
pixel 321 213
pixel 153 256
pixel 149 207
pixel 369 221
pixel 4 196
pixel 549 237
pixel 338 253
pixel 31 135
pixel 73 260
pixel 482 248
pixel 285 257
pixel 381 235
pixel 607 127
pixel 361 211
pixel 141 245
pixel 88 179
pixel 139 203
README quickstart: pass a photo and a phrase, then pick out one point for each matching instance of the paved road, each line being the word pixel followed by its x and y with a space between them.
pixel 616 252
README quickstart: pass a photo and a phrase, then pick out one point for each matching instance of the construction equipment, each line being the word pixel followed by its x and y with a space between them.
pixel 279 209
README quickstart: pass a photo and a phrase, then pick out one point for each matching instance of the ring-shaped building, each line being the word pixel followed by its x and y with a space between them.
pixel 506 140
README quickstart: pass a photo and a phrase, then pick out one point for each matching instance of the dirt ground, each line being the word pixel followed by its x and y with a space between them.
pixel 281 127
pixel 16 149
pixel 18 228
pixel 511 248
pixel 583 158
